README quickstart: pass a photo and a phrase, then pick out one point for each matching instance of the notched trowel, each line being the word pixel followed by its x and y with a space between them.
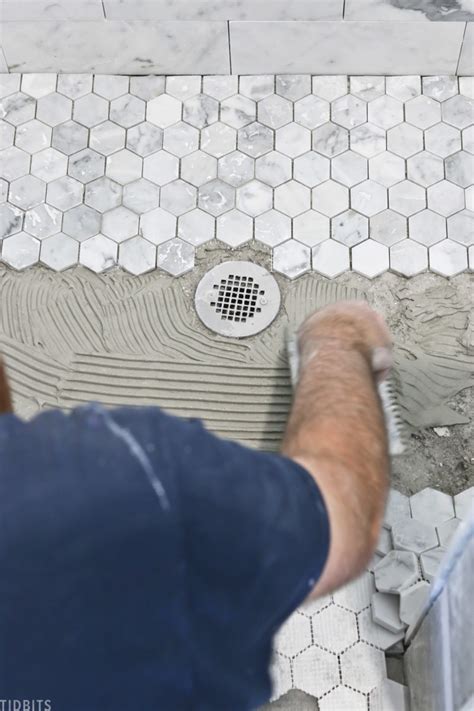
pixel 388 397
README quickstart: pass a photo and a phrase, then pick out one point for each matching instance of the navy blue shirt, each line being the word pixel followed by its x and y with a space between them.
pixel 145 564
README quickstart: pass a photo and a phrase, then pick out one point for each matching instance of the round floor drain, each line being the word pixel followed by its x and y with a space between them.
pixel 237 299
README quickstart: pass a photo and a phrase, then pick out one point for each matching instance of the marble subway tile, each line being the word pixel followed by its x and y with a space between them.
pixel 44 10
pixel 224 10
pixel 323 47
pixel 74 46
pixel 467 52
pixel 408 11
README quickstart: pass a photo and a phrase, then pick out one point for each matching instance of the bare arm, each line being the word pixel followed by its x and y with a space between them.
pixel 5 400
pixel 336 430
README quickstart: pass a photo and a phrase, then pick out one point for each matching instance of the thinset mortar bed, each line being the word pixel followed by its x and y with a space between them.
pixel 74 337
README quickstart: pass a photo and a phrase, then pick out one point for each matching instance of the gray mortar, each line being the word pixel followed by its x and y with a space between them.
pixel 444 462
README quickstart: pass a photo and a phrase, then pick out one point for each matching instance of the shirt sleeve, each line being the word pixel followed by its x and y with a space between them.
pixel 257 530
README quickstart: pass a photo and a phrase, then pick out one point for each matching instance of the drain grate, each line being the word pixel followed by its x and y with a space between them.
pixel 237 299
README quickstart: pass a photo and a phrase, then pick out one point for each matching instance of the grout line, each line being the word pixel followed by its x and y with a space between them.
pixel 461 49
pixel 3 55
pixel 228 43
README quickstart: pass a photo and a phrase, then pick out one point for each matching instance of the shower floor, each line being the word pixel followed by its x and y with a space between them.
pixel 343 187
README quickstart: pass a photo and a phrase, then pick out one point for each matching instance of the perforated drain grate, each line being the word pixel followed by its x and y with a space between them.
pixel 237 299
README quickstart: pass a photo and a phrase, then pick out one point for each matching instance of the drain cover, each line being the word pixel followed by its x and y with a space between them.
pixel 237 299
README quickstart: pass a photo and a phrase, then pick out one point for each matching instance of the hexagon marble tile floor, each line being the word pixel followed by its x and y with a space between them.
pixel 331 173
pixel 344 636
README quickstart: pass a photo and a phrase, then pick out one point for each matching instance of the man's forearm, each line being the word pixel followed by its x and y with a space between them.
pixel 5 399
pixel 337 425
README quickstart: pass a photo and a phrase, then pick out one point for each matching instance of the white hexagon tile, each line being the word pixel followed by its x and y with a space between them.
pixel 334 648
pixel 330 173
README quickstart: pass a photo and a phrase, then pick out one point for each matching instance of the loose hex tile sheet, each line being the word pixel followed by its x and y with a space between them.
pixel 387 159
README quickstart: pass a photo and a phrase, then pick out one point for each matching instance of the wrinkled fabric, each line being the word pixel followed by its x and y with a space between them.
pixel 146 563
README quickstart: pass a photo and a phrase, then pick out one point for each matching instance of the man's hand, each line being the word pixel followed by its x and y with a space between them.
pixel 336 429
pixel 351 325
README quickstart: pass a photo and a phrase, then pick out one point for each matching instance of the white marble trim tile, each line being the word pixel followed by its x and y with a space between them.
pixel 345 47
pixel 413 11
pixel 466 59
pixel 3 62
pixel 223 9
pixel 38 10
pixel 115 47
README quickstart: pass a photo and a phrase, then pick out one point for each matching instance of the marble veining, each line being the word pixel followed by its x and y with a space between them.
pixel 117 47
pixel 223 9
pixel 410 10
pixel 360 47
pixel 18 10
pixel 327 173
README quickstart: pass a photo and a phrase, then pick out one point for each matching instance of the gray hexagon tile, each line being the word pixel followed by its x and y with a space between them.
pixel 175 257
pixel 107 138
pixel 272 228
pixel 200 111
pixel 386 612
pixel 98 253
pixel 196 227
pixel 291 258
pixel 158 226
pixel 59 252
pixel 137 255
pixel 397 570
pixel 234 228
pixel 31 137
pixel 367 173
pixel 311 228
